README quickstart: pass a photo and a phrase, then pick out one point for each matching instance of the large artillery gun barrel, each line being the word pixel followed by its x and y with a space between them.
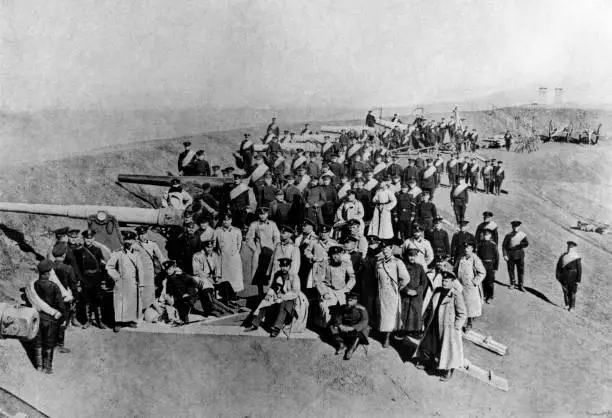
pixel 157 217
pixel 165 180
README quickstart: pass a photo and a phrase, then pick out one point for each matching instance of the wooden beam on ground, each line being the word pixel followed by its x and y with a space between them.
pixel 487 376
pixel 486 342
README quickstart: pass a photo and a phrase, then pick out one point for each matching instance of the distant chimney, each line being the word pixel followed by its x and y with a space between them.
pixel 559 96
pixel 543 95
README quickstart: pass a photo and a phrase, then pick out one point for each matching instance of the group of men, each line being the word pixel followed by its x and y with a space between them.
pixel 323 233
pixel 423 133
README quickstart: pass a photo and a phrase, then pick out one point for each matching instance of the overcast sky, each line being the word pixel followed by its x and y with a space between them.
pixel 181 53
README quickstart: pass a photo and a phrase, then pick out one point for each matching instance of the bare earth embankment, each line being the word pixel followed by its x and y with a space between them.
pixel 557 365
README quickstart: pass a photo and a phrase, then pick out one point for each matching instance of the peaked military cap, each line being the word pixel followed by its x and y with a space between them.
pixel 127 234
pixel 308 221
pixel 336 249
pixel 61 231
pixel 45 266
pixel 284 262
pixel 168 263
pixel 141 230
pixel 352 295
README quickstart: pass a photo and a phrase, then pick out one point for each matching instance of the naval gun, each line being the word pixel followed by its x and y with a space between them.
pixel 104 220
pixel 198 181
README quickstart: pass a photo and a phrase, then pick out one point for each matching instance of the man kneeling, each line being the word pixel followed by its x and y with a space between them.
pixel 283 291
pixel 349 323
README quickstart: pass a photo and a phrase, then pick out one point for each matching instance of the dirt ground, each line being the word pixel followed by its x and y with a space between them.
pixel 557 364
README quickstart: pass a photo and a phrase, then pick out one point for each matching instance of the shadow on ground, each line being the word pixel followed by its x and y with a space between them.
pixel 19 238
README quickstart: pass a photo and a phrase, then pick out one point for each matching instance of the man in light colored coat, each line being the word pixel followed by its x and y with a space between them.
pixel 471 272
pixel 152 259
pixel 333 281
pixel 228 242
pixel 392 277
pixel 125 268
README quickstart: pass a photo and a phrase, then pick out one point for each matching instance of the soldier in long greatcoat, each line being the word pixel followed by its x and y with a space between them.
pixel 470 272
pixel 228 242
pixel 412 295
pixel 443 338
pixel 125 268
pixel 152 259
pixel 384 201
pixel 261 238
pixel 392 277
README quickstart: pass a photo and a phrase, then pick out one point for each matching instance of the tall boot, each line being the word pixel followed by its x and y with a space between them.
pixel 48 360
pixel 38 362
pixel 98 315
pixel 206 302
pixel 351 350
pixel 88 316
pixel 386 337
pixel 61 336
pixel 73 316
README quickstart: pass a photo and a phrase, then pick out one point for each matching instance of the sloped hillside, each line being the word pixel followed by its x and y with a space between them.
pixel 557 363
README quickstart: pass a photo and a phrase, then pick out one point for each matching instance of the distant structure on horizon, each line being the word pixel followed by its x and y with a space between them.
pixel 559 99
pixel 546 98
pixel 543 98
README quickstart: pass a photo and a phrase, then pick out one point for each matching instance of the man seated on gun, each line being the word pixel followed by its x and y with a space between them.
pixel 183 291
pixel 283 291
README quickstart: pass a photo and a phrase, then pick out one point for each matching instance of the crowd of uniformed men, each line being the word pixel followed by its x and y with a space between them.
pixel 323 229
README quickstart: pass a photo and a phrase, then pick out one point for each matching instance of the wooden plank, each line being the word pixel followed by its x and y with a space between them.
pixel 485 342
pixel 12 406
pixel 487 376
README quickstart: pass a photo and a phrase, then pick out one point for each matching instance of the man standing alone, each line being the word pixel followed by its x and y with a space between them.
pixel 512 249
pixel 569 274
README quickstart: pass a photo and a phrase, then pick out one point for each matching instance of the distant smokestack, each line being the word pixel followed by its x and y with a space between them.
pixel 559 96
pixel 543 95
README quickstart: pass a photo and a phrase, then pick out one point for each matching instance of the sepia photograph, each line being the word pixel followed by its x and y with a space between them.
pixel 271 208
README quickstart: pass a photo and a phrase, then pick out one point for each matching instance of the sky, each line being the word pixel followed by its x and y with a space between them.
pixel 271 53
